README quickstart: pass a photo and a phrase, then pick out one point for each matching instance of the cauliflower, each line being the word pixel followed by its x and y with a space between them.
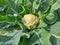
pixel 30 20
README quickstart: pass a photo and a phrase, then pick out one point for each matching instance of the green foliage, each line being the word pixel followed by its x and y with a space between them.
pixel 14 32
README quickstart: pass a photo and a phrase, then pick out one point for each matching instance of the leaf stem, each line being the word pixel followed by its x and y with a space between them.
pixel 56 36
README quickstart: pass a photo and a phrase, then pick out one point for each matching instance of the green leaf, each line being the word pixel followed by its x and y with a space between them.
pixel 45 4
pixel 11 12
pixel 12 37
pixel 55 32
pixel 40 37
pixel 1 7
pixel 11 18
pixel 42 24
pixel 57 13
pixel 24 41
pixel 55 6
pixel 55 28
pixel 2 31
pixel 3 18
pixel 41 20
pixel 35 37
pixel 36 4
pixel 50 18
pixel 45 36
pixel 58 41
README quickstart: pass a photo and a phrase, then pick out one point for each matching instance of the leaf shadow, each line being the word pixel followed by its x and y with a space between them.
pixel 53 40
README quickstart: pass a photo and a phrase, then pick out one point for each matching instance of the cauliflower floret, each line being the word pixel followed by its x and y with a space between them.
pixel 30 20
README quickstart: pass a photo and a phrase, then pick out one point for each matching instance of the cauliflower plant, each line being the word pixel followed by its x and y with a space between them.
pixel 30 21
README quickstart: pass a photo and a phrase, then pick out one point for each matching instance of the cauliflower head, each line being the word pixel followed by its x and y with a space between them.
pixel 30 21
